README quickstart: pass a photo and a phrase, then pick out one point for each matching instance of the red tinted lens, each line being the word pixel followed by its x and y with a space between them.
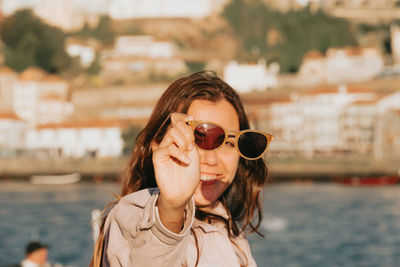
pixel 252 144
pixel 209 136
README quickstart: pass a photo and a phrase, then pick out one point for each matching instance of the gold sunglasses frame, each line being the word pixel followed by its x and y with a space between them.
pixel 237 134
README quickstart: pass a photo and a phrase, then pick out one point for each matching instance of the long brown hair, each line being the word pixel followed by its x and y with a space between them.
pixel 242 199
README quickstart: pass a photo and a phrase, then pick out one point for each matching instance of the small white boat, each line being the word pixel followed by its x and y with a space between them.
pixel 55 179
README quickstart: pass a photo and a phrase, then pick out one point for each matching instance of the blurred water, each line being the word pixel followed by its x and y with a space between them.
pixel 58 215
pixel 305 225
pixel 329 225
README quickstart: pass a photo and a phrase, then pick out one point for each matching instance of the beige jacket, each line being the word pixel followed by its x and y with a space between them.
pixel 135 236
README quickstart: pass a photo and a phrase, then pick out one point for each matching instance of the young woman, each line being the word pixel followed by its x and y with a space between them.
pixel 193 184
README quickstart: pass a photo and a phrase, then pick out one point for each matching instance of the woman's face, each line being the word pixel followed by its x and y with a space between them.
pixel 217 167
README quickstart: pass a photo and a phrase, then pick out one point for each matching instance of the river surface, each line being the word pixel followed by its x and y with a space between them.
pixel 304 224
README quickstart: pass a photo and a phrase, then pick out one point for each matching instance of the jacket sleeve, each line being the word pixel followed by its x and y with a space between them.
pixel 135 236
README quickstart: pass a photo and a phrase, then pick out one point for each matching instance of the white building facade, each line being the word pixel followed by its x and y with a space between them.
pixel 357 126
pixel 310 123
pixel 8 78
pixel 340 65
pixel 86 53
pixel 142 55
pixel 40 98
pixel 385 107
pixel 143 46
pixel 99 140
pixel 12 133
pixel 251 77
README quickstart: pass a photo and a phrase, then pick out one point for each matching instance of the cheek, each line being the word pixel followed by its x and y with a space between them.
pixel 230 162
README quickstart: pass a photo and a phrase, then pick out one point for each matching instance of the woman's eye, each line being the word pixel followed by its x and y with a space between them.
pixel 230 143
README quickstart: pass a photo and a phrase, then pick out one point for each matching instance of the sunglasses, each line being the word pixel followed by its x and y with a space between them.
pixel 250 144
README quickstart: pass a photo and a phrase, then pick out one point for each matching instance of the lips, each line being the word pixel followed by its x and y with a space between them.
pixel 209 182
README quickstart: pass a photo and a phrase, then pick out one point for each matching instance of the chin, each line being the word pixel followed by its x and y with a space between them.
pixel 203 202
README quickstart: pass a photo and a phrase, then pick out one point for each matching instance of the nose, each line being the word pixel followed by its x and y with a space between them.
pixel 208 157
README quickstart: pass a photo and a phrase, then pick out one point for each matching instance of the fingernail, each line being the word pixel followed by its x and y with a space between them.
pixel 188 160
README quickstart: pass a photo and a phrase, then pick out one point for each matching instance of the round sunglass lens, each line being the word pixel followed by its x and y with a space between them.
pixel 209 136
pixel 252 144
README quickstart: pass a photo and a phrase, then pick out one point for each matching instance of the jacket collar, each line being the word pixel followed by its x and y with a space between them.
pixel 215 225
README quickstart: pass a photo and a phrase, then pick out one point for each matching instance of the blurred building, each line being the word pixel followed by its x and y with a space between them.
pixel 357 121
pixel 144 54
pixel 53 109
pixel 12 133
pixel 330 121
pixel 143 46
pixel 85 52
pixel 34 96
pixel 130 9
pixel 313 68
pixel 340 65
pixel 386 126
pixel 391 134
pixel 96 139
pixel 309 123
pixel 352 64
pixel 8 78
pixel 395 43
pixel 251 77
pixel 41 98
pixel 371 11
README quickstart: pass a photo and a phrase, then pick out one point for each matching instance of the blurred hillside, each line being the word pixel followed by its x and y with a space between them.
pixel 304 72
pixel 244 31
pixel 199 39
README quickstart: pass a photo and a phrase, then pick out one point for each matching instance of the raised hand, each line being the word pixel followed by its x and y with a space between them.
pixel 177 170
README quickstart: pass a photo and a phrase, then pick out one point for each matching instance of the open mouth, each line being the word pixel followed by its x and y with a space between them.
pixel 208 179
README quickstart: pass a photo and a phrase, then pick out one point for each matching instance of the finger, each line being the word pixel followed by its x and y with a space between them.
pixel 180 120
pixel 174 136
pixel 187 133
pixel 176 117
pixel 174 152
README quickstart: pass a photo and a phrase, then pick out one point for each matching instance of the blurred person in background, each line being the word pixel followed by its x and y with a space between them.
pixel 193 187
pixel 36 255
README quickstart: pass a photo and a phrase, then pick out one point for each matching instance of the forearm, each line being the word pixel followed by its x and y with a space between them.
pixel 172 217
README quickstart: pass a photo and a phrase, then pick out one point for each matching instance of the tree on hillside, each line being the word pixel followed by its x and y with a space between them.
pixel 296 32
pixel 103 32
pixel 85 32
pixel 195 66
pixel 30 42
